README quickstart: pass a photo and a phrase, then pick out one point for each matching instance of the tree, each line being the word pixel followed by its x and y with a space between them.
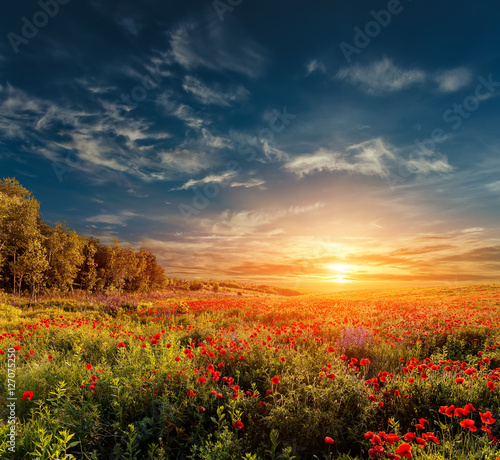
pixel 64 254
pixel 121 266
pixel 88 276
pixel 19 227
pixel 34 262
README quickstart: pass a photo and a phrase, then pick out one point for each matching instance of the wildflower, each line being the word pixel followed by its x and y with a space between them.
pixel 392 438
pixel 201 409
pixel 364 362
pixel 88 366
pixel 275 380
pixel 459 380
pixel 27 395
pixel 486 418
pixel 404 450
pixel 330 349
pixel 191 393
pixel 409 436
pixel 421 442
pixel 50 356
pixel 329 440
pixel 238 425
pixel 121 345
pixel 468 423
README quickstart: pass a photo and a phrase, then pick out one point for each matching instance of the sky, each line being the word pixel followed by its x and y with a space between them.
pixel 321 145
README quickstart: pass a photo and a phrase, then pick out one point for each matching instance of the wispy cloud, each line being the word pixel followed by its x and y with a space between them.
pixel 213 95
pixel 381 77
pixel 205 43
pixel 454 79
pixel 112 219
pixel 315 65
pixel 130 24
pixel 210 179
pixel 372 157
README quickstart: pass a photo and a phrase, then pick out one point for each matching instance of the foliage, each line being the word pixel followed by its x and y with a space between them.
pixel 157 377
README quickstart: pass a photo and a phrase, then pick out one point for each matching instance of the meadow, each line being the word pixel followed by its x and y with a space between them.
pixel 395 374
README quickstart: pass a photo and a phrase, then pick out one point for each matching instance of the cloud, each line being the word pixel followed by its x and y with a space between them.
pixel 254 182
pixel 210 179
pixel 365 158
pixel 381 77
pixel 207 95
pixel 205 43
pixel 493 186
pixel 369 158
pixel 112 219
pixel 130 24
pixel 453 80
pixel 315 66
pixel 182 160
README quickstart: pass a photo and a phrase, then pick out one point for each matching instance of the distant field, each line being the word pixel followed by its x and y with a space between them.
pixel 410 373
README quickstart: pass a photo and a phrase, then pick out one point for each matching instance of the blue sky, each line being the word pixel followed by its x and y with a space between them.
pixel 331 145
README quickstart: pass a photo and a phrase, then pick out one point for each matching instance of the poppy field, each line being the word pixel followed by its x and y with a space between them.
pixel 386 374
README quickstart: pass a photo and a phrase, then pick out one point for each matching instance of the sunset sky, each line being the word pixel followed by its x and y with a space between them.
pixel 325 145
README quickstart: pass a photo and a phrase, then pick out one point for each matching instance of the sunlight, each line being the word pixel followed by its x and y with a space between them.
pixel 342 268
pixel 340 279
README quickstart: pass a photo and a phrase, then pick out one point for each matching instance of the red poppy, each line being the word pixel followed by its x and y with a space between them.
pixel 27 395
pixel 330 349
pixel 238 425
pixel 275 380
pixel 50 356
pixel 392 438
pixel 468 423
pixel 88 366
pixel 329 440
pixel 404 450
pixel 409 436
pixel 486 418
pixel 121 344
pixel 364 362
pixel 459 380
pixel 421 442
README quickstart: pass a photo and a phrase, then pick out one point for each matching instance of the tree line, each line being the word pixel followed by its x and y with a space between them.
pixel 35 256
